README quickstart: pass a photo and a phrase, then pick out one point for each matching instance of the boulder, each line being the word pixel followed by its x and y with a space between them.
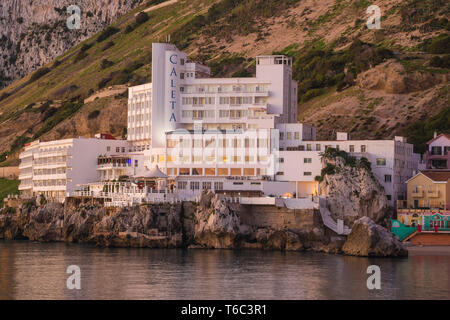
pixel 368 239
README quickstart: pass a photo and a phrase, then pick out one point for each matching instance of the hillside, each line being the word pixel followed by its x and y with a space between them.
pixel 372 83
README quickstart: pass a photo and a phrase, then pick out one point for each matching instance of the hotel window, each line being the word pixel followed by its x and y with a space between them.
pixel 308 147
pixel 352 148
pixel 280 173
pixel 436 151
pixel 281 160
pixel 307 173
pixel 224 100
pixel 182 185
pixel 387 178
pixel 297 136
pixel 363 148
pixel 108 148
pixel 194 185
pixel 236 172
pixel 381 161
pixel 182 62
pixel 184 172
pixel 224 113
pixel 307 160
pixel 318 147
pixel 117 149
pixel 223 172
pixel 206 185
pixel 281 135
pixel 197 171
pixel 289 135
pixel 248 100
pixel 249 171
pixel 218 185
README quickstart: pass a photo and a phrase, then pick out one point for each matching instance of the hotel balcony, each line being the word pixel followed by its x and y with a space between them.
pixel 50 153
pixel 417 194
pixel 259 93
pixel 27 164
pixel 26 154
pixel 433 194
pixel 437 161
pixel 25 186
pixel 24 176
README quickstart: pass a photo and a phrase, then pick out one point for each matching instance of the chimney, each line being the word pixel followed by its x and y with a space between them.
pixel 435 134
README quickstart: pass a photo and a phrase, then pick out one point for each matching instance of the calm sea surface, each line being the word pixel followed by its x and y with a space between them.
pixel 38 271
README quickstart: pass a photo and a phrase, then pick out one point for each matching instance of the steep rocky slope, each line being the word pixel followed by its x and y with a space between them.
pixel 371 83
pixel 34 32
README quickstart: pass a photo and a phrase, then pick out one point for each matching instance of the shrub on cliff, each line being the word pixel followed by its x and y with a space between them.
pixel 108 32
pixel 39 73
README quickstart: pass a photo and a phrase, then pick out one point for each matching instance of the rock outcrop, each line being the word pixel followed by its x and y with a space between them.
pixel 369 239
pixel 352 192
pixel 217 224
pixel 392 78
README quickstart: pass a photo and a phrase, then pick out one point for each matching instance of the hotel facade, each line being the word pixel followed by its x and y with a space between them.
pixel 231 135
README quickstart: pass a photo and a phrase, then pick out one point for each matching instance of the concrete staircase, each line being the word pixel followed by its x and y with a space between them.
pixel 328 221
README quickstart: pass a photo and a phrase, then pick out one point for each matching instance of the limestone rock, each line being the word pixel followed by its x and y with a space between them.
pixel 369 239
pixel 392 78
pixel 217 224
pixel 353 192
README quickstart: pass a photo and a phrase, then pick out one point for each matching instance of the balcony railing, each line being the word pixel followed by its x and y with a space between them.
pixel 417 194
pixel 433 194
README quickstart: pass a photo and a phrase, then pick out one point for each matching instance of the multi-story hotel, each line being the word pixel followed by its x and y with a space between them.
pixel 231 135
pixel 55 169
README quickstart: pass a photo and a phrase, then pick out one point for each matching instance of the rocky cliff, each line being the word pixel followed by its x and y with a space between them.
pixel 34 32
pixel 351 189
pixel 213 223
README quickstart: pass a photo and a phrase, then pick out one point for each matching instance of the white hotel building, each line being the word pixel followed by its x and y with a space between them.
pixel 231 135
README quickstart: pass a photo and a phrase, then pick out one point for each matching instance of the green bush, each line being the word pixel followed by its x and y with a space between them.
pixel 141 18
pixel 439 62
pixel 94 114
pixel 108 45
pixel 108 32
pixel 39 73
pixel 106 64
pixel 438 45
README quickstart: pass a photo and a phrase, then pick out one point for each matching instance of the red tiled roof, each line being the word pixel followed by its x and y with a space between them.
pixel 437 175
pixel 442 134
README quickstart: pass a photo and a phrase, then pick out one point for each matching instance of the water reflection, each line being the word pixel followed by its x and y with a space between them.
pixel 38 271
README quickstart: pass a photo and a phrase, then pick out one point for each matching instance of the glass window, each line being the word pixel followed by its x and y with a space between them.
pixel 381 161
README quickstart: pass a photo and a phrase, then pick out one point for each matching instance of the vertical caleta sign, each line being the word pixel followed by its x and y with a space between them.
pixel 172 89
